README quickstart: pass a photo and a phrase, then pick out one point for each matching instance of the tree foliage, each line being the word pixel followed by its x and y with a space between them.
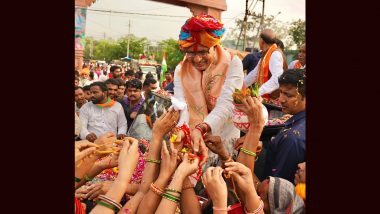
pixel 297 31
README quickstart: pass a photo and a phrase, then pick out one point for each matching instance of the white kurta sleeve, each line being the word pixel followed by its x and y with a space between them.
pixel 84 114
pixel 251 77
pixel 291 65
pixel 122 124
pixel 276 69
pixel 178 94
pixel 223 108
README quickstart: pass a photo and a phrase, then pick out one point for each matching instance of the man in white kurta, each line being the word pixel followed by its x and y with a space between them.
pixel 97 120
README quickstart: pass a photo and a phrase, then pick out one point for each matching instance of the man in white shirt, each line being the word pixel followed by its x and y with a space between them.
pixel 103 77
pixel 270 67
pixel 301 62
pixel 101 115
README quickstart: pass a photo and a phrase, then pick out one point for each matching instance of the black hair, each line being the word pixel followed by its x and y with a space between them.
pixel 138 75
pixel 86 88
pixel 76 78
pixel 129 73
pixel 104 72
pixel 114 67
pixel 101 85
pixel 280 44
pixel 267 39
pixel 149 81
pixel 112 81
pixel 77 73
pixel 78 87
pixel 295 78
pixel 91 75
pixel 149 75
pixel 135 83
pixel 121 82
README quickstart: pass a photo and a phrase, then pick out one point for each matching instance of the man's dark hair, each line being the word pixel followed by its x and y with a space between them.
pixel 135 83
pixel 138 75
pixel 149 75
pixel 280 44
pixel 121 82
pixel 295 78
pixel 77 73
pixel 78 87
pixel 112 81
pixel 91 75
pixel 105 73
pixel 267 39
pixel 101 85
pixel 129 73
pixel 76 78
pixel 114 67
pixel 86 88
pixel 149 81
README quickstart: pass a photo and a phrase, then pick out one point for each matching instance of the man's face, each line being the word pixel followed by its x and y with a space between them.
pixel 302 54
pixel 76 82
pixel 112 91
pixel 168 76
pixel 79 96
pixel 97 95
pixel 130 77
pixel 120 91
pixel 151 87
pixel 117 73
pixel 84 76
pixel 133 94
pixel 291 101
pixel 202 58
pixel 87 95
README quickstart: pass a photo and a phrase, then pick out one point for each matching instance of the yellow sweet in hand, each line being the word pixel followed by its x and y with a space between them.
pixel 301 190
pixel 173 138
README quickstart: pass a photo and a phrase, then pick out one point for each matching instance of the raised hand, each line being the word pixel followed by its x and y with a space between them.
pixel 214 143
pixel 165 123
pixel 215 185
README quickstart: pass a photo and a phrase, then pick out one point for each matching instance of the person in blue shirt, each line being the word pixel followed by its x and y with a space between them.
pixel 250 61
pixel 288 147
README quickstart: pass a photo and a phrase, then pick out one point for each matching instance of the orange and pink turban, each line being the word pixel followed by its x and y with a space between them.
pixel 201 30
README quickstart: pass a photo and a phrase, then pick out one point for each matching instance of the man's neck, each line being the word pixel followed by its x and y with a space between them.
pixel 104 100
pixel 134 102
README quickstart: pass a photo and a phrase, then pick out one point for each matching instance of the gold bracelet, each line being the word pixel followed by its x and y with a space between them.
pixel 152 160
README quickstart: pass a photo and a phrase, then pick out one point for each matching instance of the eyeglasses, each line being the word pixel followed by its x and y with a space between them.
pixel 191 54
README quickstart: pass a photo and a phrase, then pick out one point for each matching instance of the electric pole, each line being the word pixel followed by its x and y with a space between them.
pixel 261 24
pixel 129 30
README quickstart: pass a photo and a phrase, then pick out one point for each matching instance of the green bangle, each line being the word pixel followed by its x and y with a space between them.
pixel 78 180
pixel 110 206
pixel 87 178
pixel 171 197
pixel 248 152
pixel 152 160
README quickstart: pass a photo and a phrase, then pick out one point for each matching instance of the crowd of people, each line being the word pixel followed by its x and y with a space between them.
pixel 131 156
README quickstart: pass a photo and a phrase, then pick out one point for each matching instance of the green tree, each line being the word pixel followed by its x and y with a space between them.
pixel 297 31
pixel 173 53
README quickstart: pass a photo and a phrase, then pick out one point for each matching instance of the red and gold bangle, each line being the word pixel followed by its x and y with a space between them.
pixel 156 189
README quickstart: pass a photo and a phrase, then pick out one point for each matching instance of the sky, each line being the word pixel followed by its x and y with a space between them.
pixel 157 28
